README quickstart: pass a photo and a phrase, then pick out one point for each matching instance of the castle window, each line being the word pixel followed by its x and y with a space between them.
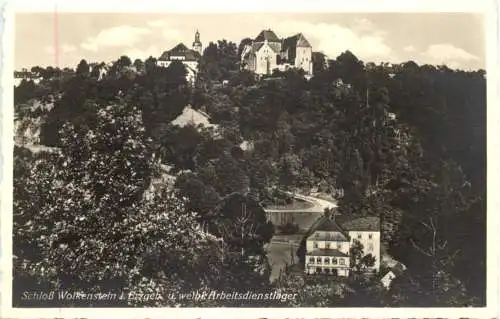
pixel 342 261
pixel 370 236
pixel 327 261
pixel 315 245
pixel 327 245
pixel 334 261
pixel 359 236
pixel 318 260
pixel 311 260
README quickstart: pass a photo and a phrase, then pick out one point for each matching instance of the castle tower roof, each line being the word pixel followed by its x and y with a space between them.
pixel 197 38
pixel 268 35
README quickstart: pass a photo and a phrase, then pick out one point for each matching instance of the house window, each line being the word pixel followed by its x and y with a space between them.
pixel 339 245
pixel 315 245
pixel 327 261
pixel 318 269
pixel 318 260
pixel 342 261
pixel 311 260
pixel 370 247
pixel 334 261
pixel 359 236
pixel 327 245
pixel 370 236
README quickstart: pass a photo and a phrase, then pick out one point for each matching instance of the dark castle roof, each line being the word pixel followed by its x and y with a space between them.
pixel 297 40
pixel 180 50
pixel 268 35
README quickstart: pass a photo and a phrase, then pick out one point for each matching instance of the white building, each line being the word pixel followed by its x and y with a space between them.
pixel 395 271
pixel 387 279
pixel 189 116
pixel 328 247
pixel 267 53
pixel 24 74
pixel 189 57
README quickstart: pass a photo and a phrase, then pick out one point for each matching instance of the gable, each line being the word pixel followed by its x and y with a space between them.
pixel 263 48
pixel 302 41
pixel 328 236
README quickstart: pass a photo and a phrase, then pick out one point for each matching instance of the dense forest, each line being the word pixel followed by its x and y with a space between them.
pixel 404 142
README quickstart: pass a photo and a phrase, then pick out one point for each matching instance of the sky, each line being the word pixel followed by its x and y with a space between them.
pixel 454 39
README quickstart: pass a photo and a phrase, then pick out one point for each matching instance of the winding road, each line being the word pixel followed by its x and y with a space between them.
pixel 282 248
pixel 319 205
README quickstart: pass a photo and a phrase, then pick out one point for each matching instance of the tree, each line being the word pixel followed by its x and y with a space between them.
pixel 83 68
pixel 243 43
pixel 175 74
pixel 242 224
pixel 358 260
pixel 289 170
pixel 139 65
pixel 83 218
pixel 226 175
pixel 180 145
pixel 150 64
pixel 37 70
pixel 319 62
pixel 201 198
pixel 24 91
pixel 123 61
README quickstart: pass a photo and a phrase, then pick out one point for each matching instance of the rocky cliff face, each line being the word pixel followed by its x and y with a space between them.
pixel 28 122
pixel 27 131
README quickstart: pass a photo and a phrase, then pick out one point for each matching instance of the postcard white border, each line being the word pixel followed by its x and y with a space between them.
pixel 489 8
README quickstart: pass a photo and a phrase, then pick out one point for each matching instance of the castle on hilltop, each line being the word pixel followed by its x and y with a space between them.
pixel 189 57
pixel 268 52
pixel 265 54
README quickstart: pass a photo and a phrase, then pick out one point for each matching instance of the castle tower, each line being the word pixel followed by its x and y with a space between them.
pixel 197 43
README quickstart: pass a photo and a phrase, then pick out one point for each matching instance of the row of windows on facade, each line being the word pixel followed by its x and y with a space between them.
pixel 320 270
pixel 326 260
pixel 339 245
pixel 262 58
pixel 370 236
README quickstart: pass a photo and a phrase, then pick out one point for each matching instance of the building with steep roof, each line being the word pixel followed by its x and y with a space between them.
pixel 189 116
pixel 328 246
pixel 268 52
pixel 189 57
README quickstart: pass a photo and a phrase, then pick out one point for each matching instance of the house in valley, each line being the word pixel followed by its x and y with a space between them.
pixel 328 247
